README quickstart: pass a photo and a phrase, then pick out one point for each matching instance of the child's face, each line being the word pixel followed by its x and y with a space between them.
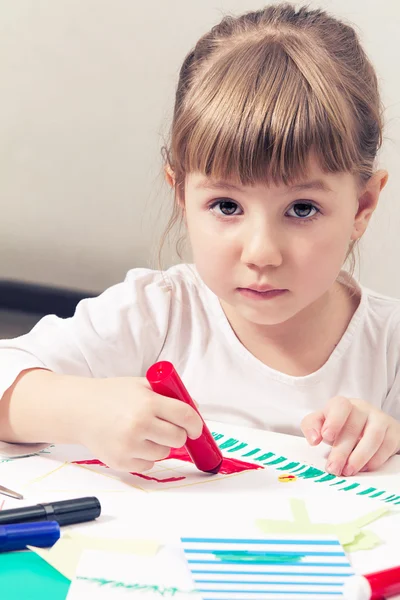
pixel 251 239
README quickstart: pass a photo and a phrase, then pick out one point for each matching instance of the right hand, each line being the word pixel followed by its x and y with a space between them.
pixel 128 426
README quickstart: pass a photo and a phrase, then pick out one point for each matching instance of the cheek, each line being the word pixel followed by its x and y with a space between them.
pixel 320 258
pixel 213 256
pixel 202 243
pixel 335 244
pixel 206 243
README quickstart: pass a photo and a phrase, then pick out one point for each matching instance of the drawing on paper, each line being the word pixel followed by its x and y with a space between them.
pixel 176 472
pixel 172 465
pixel 277 566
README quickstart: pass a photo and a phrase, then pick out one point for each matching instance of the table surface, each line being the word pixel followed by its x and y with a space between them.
pixel 24 576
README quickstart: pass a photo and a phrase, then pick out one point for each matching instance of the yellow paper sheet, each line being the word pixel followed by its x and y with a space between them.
pixel 365 540
pixel 349 533
pixel 65 554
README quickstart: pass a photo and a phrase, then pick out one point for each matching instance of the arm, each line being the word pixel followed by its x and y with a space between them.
pixel 42 406
pixel 118 334
pixel 121 420
pixel 77 380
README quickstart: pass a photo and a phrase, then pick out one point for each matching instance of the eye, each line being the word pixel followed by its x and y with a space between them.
pixel 225 207
pixel 303 210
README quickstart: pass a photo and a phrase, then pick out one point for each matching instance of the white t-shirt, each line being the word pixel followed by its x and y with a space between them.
pixel 173 316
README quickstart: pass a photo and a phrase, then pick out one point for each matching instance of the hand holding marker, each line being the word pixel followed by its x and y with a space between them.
pixel 203 451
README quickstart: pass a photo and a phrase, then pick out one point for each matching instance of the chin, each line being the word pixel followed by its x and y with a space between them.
pixel 259 318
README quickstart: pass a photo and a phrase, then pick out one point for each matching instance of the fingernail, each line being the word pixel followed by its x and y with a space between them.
pixel 348 471
pixel 334 468
pixel 313 436
pixel 364 469
pixel 328 435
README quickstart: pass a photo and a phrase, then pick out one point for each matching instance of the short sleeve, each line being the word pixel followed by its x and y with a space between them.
pixel 119 333
pixel 391 404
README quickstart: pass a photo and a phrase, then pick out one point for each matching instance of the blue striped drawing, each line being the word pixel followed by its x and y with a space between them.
pixel 277 567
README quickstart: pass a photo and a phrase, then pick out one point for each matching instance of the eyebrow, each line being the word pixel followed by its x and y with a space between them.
pixel 317 185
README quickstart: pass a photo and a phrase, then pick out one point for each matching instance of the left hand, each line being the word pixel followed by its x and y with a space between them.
pixel 362 437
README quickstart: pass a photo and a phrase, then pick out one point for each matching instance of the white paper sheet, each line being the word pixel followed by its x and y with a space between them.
pixel 106 576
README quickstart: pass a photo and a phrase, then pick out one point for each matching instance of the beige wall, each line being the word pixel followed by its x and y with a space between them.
pixel 86 91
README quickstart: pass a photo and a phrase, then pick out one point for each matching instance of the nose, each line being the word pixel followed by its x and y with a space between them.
pixel 262 246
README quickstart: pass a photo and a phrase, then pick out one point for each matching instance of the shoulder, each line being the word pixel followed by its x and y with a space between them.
pixel 175 302
pixel 382 328
pixel 376 321
pixel 381 321
pixel 384 311
pixel 177 290
pixel 375 311
pixel 148 292
pixel 182 280
pixel 142 306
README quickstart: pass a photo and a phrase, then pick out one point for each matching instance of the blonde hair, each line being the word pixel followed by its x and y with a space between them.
pixel 258 92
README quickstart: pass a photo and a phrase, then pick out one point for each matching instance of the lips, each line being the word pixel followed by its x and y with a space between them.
pixel 262 293
pixel 262 288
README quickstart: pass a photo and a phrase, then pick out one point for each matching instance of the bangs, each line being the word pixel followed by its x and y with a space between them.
pixel 256 112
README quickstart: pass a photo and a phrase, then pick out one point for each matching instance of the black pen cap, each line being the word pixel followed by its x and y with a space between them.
pixel 76 510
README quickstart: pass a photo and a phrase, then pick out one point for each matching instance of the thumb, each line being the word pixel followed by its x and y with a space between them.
pixel 311 426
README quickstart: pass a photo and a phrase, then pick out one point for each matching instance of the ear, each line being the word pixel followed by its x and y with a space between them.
pixel 169 175
pixel 368 202
pixel 171 180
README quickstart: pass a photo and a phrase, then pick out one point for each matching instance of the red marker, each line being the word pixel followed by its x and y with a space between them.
pixel 375 586
pixel 204 451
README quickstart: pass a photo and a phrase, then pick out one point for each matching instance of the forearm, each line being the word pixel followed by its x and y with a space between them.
pixel 42 406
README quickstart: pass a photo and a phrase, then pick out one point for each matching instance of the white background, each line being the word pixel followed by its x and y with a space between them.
pixel 86 89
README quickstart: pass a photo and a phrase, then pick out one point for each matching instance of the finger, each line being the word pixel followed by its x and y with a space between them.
pixel 346 442
pixel 150 451
pixel 180 414
pixel 372 438
pixel 387 449
pixel 311 426
pixel 336 415
pixel 166 434
pixel 138 465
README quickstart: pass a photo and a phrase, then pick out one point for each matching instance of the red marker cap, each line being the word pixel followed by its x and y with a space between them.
pixel 204 451
pixel 375 586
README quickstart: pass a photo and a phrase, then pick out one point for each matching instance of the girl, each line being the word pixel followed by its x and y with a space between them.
pixel 275 132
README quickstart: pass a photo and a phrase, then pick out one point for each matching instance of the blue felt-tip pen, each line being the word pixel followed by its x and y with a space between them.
pixel 20 535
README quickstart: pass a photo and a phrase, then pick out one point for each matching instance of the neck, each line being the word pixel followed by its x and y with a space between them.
pixel 302 344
